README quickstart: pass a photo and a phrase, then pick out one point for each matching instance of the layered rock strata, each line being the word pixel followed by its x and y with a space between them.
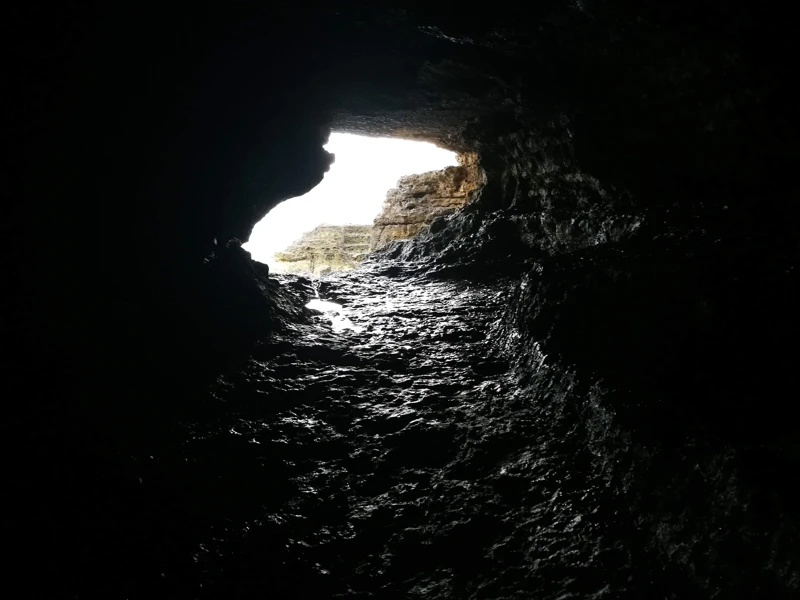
pixel 420 199
pixel 324 249
pixel 409 208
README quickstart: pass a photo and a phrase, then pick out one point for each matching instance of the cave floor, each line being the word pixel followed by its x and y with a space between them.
pixel 405 458
pixel 401 459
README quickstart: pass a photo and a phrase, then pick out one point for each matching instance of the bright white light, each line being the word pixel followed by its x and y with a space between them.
pixel 351 192
pixel 335 314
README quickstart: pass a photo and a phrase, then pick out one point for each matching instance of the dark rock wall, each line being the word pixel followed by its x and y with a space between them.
pixel 665 283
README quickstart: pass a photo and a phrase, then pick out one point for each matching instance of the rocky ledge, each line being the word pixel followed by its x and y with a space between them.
pixel 324 249
pixel 420 199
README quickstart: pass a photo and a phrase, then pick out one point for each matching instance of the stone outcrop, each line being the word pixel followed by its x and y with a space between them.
pixel 420 199
pixel 324 249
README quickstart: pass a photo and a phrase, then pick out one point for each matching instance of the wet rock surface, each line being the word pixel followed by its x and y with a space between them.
pixel 418 443
pixel 398 457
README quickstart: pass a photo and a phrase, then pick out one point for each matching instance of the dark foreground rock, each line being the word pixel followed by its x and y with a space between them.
pixel 419 442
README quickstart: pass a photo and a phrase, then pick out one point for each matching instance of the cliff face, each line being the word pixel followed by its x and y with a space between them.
pixel 414 204
pixel 325 248
pixel 420 199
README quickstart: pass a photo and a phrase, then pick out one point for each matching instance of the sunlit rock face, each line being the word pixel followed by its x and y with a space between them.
pixel 409 208
pixel 420 199
pixel 324 249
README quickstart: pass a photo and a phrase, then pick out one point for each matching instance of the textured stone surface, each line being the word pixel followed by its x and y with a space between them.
pixel 418 200
pixel 427 466
pixel 324 249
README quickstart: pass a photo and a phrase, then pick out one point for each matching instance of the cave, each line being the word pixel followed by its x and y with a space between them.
pixel 578 385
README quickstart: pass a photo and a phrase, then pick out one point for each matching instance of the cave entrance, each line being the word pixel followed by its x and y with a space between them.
pixel 332 226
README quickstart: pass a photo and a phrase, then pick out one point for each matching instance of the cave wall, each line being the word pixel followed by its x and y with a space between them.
pixel 195 135
pixel 658 294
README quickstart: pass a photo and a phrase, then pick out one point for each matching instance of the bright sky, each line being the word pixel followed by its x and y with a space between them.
pixel 351 192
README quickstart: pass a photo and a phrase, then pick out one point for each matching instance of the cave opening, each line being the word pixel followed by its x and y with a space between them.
pixel 331 226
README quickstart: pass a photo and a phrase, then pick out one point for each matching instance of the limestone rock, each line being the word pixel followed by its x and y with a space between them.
pixel 325 248
pixel 411 206
pixel 419 199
